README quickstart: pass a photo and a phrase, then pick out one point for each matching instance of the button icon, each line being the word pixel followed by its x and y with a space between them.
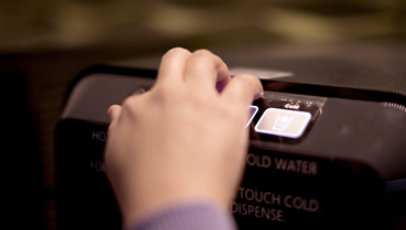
pixel 253 112
pixel 283 122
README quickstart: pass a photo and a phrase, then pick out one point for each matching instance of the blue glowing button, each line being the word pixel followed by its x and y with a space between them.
pixel 253 111
pixel 283 122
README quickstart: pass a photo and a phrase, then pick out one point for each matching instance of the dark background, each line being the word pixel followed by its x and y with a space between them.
pixel 45 43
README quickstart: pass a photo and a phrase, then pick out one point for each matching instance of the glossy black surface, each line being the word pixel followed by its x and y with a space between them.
pixel 336 172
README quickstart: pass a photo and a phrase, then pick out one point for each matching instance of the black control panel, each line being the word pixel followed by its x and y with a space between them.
pixel 320 157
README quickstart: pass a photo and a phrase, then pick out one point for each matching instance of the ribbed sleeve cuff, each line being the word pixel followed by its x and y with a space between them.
pixel 196 216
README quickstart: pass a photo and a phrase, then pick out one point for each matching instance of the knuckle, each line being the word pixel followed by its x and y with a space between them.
pixel 130 103
pixel 247 80
pixel 202 53
pixel 163 90
pixel 203 59
pixel 164 95
pixel 176 51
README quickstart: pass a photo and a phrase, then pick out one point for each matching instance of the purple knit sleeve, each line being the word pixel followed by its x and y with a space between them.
pixel 196 216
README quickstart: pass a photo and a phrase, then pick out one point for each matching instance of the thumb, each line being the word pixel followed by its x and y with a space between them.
pixel 114 113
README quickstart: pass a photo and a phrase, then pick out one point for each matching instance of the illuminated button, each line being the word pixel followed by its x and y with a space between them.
pixel 253 111
pixel 283 122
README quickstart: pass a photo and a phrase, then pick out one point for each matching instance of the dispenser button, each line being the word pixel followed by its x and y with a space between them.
pixel 253 111
pixel 283 122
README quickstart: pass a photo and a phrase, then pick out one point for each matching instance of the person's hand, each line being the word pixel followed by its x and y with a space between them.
pixel 182 140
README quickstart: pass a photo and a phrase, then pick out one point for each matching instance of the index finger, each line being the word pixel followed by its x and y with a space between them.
pixel 172 66
pixel 242 90
pixel 205 69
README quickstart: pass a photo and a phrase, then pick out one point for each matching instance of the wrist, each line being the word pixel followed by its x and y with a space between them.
pixel 137 209
pixel 192 214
